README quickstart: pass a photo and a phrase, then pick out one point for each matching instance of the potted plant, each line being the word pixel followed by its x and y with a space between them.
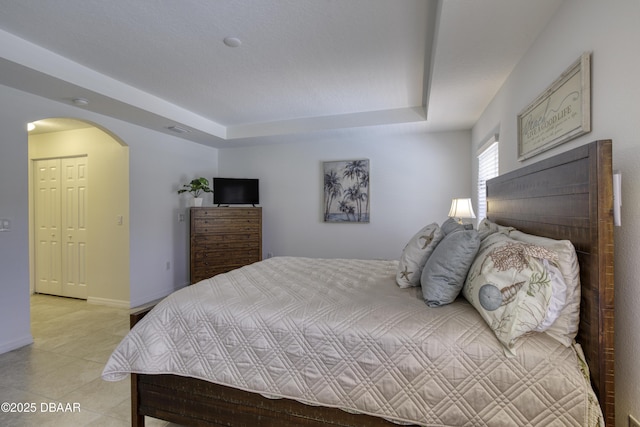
pixel 196 187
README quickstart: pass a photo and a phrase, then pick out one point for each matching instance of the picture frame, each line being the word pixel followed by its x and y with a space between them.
pixel 561 113
pixel 346 191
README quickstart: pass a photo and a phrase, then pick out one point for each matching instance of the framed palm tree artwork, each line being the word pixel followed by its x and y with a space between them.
pixel 346 191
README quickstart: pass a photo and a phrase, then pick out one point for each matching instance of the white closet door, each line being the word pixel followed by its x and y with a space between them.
pixel 61 226
pixel 74 226
pixel 47 227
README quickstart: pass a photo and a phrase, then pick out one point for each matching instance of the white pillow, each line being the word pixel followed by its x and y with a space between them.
pixel 415 255
pixel 558 296
pixel 565 328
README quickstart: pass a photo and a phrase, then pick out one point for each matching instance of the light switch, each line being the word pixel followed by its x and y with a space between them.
pixel 5 224
pixel 617 198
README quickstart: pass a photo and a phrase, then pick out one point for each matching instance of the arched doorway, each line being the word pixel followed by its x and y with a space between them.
pixel 79 239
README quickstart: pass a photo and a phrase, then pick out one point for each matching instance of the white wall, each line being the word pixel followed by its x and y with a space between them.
pixel 413 176
pixel 611 31
pixel 158 164
pixel 14 247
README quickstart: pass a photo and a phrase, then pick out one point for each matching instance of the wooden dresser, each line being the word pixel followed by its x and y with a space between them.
pixel 224 238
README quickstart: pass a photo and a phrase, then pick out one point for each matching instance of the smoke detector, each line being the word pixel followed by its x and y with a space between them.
pixel 232 41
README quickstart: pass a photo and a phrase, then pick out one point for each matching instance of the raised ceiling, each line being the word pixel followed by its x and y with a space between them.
pixel 303 66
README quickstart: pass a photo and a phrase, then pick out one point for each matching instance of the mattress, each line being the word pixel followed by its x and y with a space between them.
pixel 341 333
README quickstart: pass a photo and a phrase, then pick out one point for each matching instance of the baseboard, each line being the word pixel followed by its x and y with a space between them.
pixel 154 298
pixel 15 344
pixel 110 302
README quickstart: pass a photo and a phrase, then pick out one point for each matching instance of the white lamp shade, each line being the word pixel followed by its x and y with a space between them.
pixel 461 208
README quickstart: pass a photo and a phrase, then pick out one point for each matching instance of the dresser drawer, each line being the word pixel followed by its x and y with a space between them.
pixel 224 240
pixel 216 256
pixel 225 247
pixel 236 213
pixel 225 225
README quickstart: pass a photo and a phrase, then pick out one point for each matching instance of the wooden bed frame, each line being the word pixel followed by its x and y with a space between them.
pixel 568 196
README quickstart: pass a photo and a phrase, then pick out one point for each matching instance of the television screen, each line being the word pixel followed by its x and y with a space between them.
pixel 235 191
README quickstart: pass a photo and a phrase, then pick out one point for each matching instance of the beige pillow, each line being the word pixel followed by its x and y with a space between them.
pixel 415 255
pixel 487 228
pixel 515 287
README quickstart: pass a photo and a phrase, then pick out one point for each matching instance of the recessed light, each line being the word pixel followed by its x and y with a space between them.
pixel 232 41
pixel 30 127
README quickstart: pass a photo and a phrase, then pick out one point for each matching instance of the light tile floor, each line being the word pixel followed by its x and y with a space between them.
pixel 72 342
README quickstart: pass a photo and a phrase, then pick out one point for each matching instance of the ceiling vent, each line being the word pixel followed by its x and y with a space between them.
pixel 178 129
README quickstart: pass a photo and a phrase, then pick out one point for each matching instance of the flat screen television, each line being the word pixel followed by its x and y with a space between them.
pixel 236 191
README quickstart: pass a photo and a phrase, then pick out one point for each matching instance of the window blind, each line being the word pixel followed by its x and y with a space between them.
pixel 488 161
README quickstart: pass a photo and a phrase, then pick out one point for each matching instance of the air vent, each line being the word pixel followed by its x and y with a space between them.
pixel 178 129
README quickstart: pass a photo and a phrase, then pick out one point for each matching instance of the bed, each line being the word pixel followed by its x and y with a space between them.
pixel 567 197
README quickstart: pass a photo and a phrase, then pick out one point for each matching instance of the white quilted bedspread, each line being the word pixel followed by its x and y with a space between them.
pixel 341 333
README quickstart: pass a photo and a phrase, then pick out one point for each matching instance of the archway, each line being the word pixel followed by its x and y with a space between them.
pixel 106 258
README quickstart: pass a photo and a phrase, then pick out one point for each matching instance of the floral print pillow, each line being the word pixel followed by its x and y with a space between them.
pixel 511 284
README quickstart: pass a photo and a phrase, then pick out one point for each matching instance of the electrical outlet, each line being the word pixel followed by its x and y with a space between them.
pixel 633 422
pixel 5 224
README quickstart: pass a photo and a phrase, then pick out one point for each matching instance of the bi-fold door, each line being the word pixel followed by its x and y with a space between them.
pixel 60 215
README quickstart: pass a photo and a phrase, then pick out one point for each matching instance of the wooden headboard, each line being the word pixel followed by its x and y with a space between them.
pixel 570 196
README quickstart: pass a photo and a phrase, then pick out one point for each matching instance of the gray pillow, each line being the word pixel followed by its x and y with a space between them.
pixel 451 225
pixel 446 269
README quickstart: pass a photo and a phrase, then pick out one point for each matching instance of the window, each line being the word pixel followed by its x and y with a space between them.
pixel 487 169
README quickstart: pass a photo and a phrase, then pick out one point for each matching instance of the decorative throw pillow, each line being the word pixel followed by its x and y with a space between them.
pixel 445 271
pixel 565 328
pixel 487 228
pixel 512 285
pixel 415 255
pixel 451 225
pixel 558 297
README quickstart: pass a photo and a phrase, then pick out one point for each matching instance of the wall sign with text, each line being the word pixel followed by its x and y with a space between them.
pixel 561 113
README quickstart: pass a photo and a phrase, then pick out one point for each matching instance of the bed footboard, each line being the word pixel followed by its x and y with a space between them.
pixel 137 420
pixel 194 402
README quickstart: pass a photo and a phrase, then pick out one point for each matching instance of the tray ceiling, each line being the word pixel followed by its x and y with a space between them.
pixel 303 66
